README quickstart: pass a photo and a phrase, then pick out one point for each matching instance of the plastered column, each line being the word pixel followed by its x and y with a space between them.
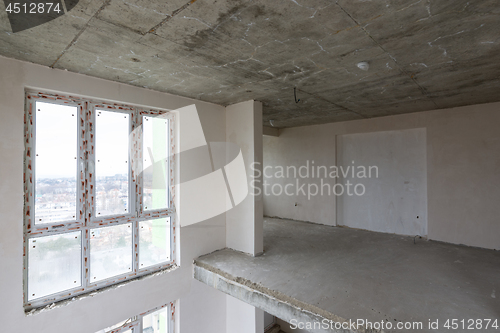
pixel 244 223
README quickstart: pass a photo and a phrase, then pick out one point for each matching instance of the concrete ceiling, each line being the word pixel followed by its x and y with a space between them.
pixel 423 55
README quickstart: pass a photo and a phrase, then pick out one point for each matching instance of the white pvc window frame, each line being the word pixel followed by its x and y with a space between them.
pixel 136 323
pixel 86 219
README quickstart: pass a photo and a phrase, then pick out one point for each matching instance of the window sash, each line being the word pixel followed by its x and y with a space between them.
pixel 86 219
pixel 136 323
pixel 92 217
pixel 30 165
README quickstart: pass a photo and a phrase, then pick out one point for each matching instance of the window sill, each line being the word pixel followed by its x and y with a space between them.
pixel 30 311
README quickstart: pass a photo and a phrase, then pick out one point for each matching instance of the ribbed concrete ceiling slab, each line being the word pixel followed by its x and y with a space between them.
pixel 423 55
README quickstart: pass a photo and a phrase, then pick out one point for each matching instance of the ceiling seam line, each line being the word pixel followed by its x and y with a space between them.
pixel 169 17
pixel 73 42
pixel 422 89
pixel 138 32
pixel 337 105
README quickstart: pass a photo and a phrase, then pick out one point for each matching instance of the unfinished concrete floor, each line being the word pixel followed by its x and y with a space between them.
pixel 312 272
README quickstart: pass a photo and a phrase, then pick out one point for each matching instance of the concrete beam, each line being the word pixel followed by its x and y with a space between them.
pixel 271 131
pixel 270 301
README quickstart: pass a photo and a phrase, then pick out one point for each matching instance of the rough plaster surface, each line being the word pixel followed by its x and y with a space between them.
pixel 423 55
pixel 309 272
pixel 462 162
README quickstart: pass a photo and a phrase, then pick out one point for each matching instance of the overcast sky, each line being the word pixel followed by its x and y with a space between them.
pixel 57 145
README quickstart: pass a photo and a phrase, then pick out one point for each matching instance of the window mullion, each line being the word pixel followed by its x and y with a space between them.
pixel 135 144
pixel 139 164
pixel 29 207
pixel 172 175
pixel 81 188
pixel 89 188
pixel 171 319
pixel 171 160
pixel 81 166
pixel 90 169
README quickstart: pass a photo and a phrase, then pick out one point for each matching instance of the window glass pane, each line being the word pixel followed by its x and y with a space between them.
pixel 156 322
pixel 111 328
pixel 154 242
pixel 110 251
pixel 155 163
pixel 54 264
pixel 112 163
pixel 56 153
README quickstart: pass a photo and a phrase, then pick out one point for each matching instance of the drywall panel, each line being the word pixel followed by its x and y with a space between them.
pixel 388 181
pixel 109 307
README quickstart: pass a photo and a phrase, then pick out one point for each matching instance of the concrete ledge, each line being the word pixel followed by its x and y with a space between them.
pixel 273 302
pixel 271 131
pixel 315 273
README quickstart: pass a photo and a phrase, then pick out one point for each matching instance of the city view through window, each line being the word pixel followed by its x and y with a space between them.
pixel 60 170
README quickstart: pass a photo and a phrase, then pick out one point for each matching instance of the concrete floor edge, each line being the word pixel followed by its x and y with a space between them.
pixel 273 302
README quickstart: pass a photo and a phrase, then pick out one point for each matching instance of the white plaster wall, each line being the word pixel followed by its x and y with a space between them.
pixel 295 147
pixel 463 169
pixel 390 170
pixel 244 222
pixel 243 317
pixel 203 310
pixel 201 189
pixel 92 314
